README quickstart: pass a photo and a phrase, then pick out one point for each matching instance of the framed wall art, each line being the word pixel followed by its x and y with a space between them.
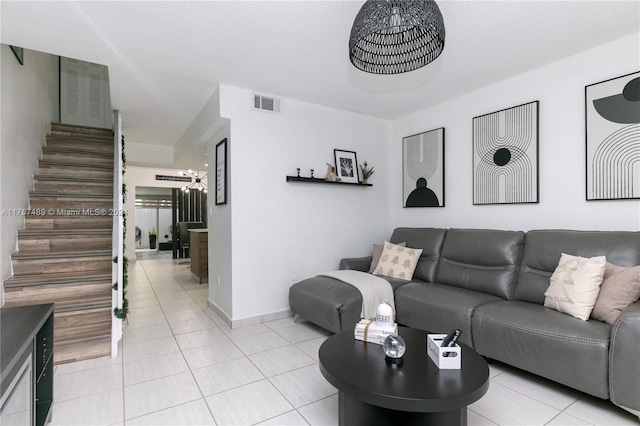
pixel 423 169
pixel 505 156
pixel 221 172
pixel 612 117
pixel 346 165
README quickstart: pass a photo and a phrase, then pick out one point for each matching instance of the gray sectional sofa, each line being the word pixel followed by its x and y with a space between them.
pixel 491 284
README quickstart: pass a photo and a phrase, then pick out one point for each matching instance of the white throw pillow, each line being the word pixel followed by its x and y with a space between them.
pixel 397 261
pixel 575 285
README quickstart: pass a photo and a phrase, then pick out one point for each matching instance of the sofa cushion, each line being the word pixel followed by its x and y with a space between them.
pixel 430 241
pixel 542 250
pixel 619 289
pixel 575 285
pixel 326 302
pixel 438 308
pixel 398 261
pixel 483 260
pixel 545 342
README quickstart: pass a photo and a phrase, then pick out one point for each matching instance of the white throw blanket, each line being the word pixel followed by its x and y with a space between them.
pixel 374 289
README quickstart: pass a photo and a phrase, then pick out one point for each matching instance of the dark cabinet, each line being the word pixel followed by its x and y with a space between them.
pixel 27 332
pixel 44 371
pixel 199 254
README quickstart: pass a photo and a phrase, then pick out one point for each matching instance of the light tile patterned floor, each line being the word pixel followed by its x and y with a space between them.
pixel 179 364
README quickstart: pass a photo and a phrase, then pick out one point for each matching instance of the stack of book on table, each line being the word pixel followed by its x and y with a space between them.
pixel 373 331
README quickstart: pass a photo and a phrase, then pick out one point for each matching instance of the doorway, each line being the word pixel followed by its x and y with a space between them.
pixel 153 229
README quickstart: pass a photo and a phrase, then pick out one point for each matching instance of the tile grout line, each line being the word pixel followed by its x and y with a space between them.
pixel 185 360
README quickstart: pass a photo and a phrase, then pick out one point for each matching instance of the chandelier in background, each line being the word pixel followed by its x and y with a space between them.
pixel 197 183
pixel 396 36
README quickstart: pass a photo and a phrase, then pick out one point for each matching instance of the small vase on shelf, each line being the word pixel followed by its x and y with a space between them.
pixel 366 172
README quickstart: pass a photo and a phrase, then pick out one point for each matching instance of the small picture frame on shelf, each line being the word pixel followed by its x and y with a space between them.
pixel 346 166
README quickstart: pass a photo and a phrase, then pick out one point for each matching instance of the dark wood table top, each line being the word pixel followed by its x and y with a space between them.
pixel 18 328
pixel 417 385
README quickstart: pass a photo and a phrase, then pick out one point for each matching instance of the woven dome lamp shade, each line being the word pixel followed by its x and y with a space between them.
pixel 396 36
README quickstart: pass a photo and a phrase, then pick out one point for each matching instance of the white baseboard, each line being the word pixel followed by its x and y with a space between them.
pixel 258 319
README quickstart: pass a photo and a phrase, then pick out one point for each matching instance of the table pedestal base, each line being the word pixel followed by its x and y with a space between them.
pixel 352 411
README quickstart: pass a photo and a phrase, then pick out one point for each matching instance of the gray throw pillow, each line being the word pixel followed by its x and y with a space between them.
pixel 620 288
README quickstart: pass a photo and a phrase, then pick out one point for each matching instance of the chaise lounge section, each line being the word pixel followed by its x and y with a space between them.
pixel 491 285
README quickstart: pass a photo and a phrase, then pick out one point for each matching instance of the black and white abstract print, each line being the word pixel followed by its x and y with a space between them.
pixel 612 110
pixel 423 169
pixel 505 156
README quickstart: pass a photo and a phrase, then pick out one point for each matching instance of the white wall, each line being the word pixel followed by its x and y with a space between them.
pixel 282 230
pixel 29 103
pixel 142 176
pixel 220 238
pixel 560 89
pixel 149 154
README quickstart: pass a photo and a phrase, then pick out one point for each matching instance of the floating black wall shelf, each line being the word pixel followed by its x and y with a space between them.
pixel 319 180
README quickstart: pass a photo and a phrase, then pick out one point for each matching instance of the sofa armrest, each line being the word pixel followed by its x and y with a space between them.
pixel 624 368
pixel 356 263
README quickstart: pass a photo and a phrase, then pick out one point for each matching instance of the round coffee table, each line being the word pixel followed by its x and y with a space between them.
pixel 372 392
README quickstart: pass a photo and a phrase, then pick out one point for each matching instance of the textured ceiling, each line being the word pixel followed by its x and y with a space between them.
pixel 165 59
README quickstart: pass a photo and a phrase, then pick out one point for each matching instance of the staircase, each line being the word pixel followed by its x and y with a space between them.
pixel 64 253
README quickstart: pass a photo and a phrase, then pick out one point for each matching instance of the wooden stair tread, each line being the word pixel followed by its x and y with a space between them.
pixel 67 303
pixel 80 126
pixel 68 136
pixel 79 215
pixel 62 232
pixel 69 220
pixel 84 302
pixel 78 180
pixel 78 151
pixel 64 344
pixel 60 194
pixel 70 254
pixel 78 352
pixel 54 163
pixel 86 338
pixel 53 278
pixel 107 225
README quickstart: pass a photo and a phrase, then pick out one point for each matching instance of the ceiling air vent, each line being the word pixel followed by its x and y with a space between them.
pixel 266 103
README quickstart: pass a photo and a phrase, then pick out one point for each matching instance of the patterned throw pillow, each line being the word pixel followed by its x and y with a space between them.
pixel 377 252
pixel 575 285
pixel 397 261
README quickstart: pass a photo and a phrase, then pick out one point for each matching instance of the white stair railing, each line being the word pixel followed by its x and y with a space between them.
pixel 118 236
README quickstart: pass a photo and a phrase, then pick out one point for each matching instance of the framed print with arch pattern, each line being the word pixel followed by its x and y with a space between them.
pixel 505 156
pixel 423 169
pixel 612 117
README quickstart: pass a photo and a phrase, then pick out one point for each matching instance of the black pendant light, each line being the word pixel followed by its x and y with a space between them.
pixel 197 181
pixel 396 36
